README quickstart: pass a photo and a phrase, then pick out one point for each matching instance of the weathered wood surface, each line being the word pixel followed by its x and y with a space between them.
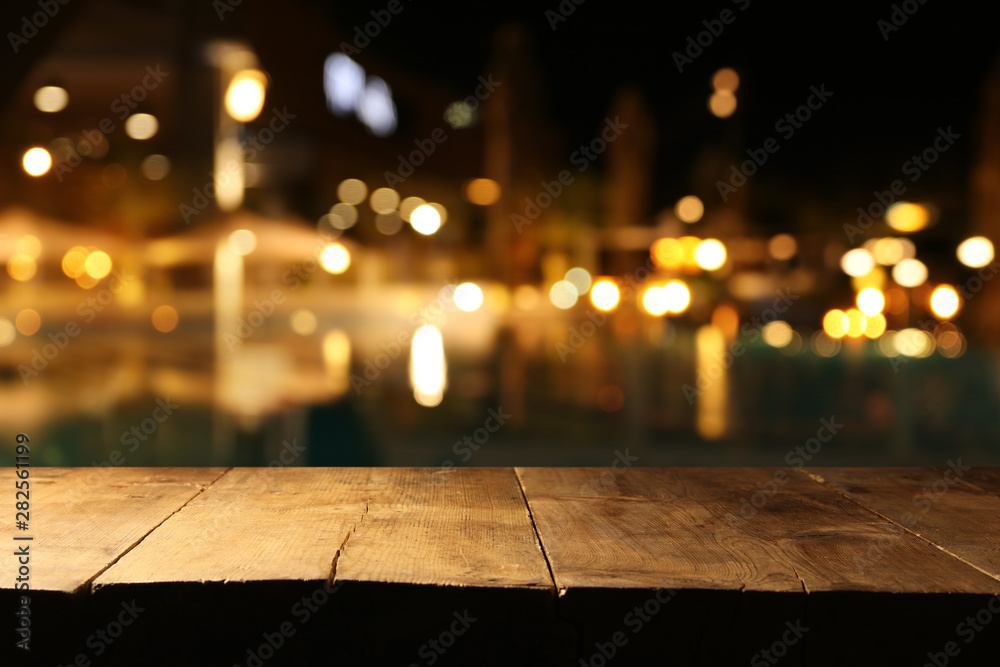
pixel 954 508
pixel 734 528
pixel 83 519
pixel 457 527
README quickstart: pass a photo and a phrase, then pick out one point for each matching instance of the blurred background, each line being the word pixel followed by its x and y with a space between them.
pixel 390 233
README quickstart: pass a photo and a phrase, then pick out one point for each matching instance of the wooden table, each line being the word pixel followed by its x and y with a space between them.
pixel 562 566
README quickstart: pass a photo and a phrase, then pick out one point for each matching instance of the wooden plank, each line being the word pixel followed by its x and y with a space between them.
pixel 952 508
pixel 453 526
pixel 419 526
pixel 83 519
pixel 680 528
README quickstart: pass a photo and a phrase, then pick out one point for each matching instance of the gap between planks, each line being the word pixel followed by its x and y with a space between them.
pixel 89 584
pixel 538 536
pixel 818 479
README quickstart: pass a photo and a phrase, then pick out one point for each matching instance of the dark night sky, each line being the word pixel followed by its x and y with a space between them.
pixel 889 96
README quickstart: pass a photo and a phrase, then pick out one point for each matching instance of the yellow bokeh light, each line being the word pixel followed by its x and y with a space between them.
pixel 722 103
pixel 667 253
pixel 875 325
pixel 242 242
pixel 677 296
pixel 824 345
pixel 689 244
pixel 563 294
pixel 856 323
pixel 914 343
pixel 142 126
pixel 425 219
pixel 37 161
pixel 975 252
pixel 945 302
pixel 21 267
pixel 689 209
pixel 164 318
pixel 655 301
pixel 7 332
pixel 910 273
pixel 468 297
pixel 710 254
pixel 836 323
pixel 335 258
pixel 777 333
pixel 73 261
pixel 870 301
pixel 482 191
pixel 28 322
pixel 907 217
pixel 857 262
pixel 29 245
pixel 303 322
pixel 245 95
pixel 352 191
pixel 580 278
pixel 888 251
pixel 726 79
pixel 97 264
pixel 50 99
pixel 782 246
pixel 604 295
pixel 384 200
pixel 408 206
pixel 428 368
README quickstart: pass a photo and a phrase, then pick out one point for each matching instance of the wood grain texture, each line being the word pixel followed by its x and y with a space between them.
pixel 682 528
pixel 83 519
pixel 956 510
pixel 420 526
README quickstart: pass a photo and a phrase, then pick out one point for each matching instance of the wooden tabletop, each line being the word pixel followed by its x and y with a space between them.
pixel 554 557
pixel 897 530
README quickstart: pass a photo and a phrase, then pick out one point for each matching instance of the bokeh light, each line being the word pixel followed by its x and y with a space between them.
pixel 335 258
pixel 604 295
pixel 384 200
pixel 975 252
pixel 36 161
pixel 155 167
pixel 242 242
pixel 141 126
pixel 303 321
pixel 408 206
pixel 726 79
pixel 352 191
pixel 343 216
pixel 28 245
pixel 914 343
pixel 580 278
pixel 482 191
pixel 875 325
pixel 689 209
pixel 655 301
pixel 388 223
pixel 835 323
pixel 468 297
pixel 857 262
pixel 857 323
pixel 97 265
pixel 425 219
pixel 945 302
pixel 907 217
pixel 711 254
pixel 782 246
pixel 51 99
pixel 870 301
pixel 677 296
pixel 7 332
pixel 28 322
pixel 73 261
pixel 563 294
pixel 21 267
pixel 245 95
pixel 164 318
pixel 910 273
pixel 667 253
pixel 722 104
pixel 777 333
